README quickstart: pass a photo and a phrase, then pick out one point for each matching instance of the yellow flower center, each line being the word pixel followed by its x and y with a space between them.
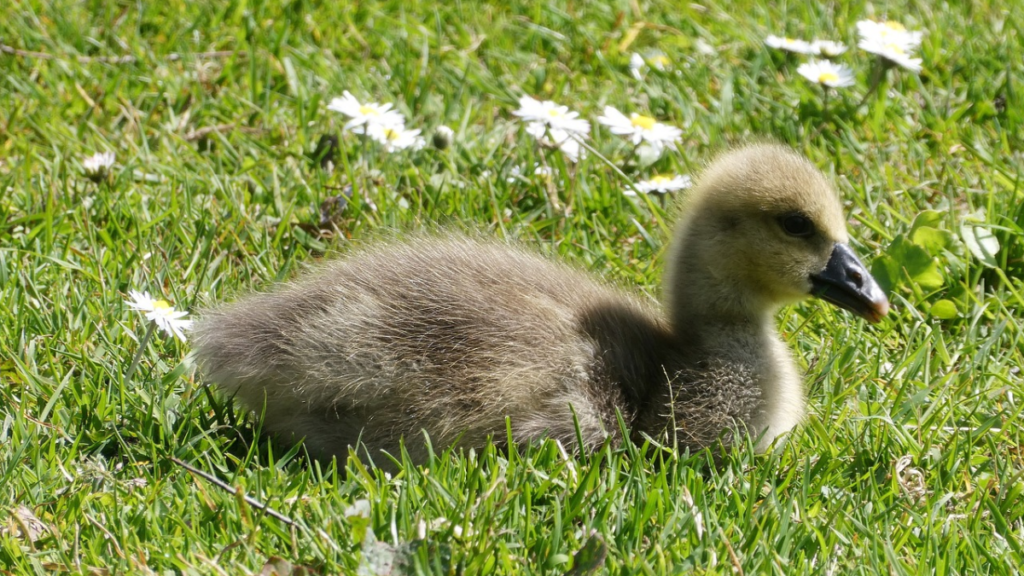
pixel 161 305
pixel 788 41
pixel 893 25
pixel 554 113
pixel 368 110
pixel 659 179
pixel 660 60
pixel 893 47
pixel 390 134
pixel 826 77
pixel 640 121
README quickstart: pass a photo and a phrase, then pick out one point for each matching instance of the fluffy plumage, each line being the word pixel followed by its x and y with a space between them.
pixel 453 335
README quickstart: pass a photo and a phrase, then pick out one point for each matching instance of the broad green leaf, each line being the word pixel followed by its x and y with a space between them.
pixel 944 309
pixel 927 275
pixel 927 218
pixel 932 239
pixel 981 242
pixel 886 272
pixel 919 265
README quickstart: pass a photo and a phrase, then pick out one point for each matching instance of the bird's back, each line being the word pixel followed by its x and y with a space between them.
pixel 450 336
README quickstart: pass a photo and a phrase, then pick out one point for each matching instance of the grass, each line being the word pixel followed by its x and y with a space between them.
pixel 910 461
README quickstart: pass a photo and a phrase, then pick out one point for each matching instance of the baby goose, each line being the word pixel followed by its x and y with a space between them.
pixel 451 336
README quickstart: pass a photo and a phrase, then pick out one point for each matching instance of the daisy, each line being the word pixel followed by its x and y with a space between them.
pixel 892 52
pixel 636 66
pixel 161 313
pixel 828 48
pixel 551 115
pixel 639 64
pixel 659 62
pixel 789 44
pixel 891 41
pixel 395 137
pixel 639 128
pixel 661 184
pixel 365 115
pixel 826 73
pixel 566 142
pixel 98 165
pixel 703 47
pixel 890 31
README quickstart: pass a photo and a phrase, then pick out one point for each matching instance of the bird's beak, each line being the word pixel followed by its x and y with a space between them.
pixel 846 283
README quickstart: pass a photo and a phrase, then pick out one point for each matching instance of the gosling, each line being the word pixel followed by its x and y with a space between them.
pixel 451 336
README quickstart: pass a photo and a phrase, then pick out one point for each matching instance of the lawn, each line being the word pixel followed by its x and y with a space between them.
pixel 115 458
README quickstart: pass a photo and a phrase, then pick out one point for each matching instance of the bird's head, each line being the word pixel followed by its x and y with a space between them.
pixel 762 228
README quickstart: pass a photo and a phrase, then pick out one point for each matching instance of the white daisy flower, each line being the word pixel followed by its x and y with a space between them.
pixel 141 301
pixel 395 137
pixel 826 73
pixel 659 62
pixel 789 44
pixel 160 312
pixel 551 115
pixel 636 66
pixel 98 165
pixel 828 48
pixel 365 115
pixel 890 31
pixel 891 41
pixel 703 47
pixel 895 52
pixel 639 128
pixel 569 144
pixel 661 184
pixel 566 142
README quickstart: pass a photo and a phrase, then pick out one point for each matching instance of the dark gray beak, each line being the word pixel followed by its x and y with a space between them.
pixel 846 283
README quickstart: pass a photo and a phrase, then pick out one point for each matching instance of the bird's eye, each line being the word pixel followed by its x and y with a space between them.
pixel 797 225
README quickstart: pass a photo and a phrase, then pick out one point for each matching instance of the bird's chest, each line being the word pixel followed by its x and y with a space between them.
pixel 782 393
